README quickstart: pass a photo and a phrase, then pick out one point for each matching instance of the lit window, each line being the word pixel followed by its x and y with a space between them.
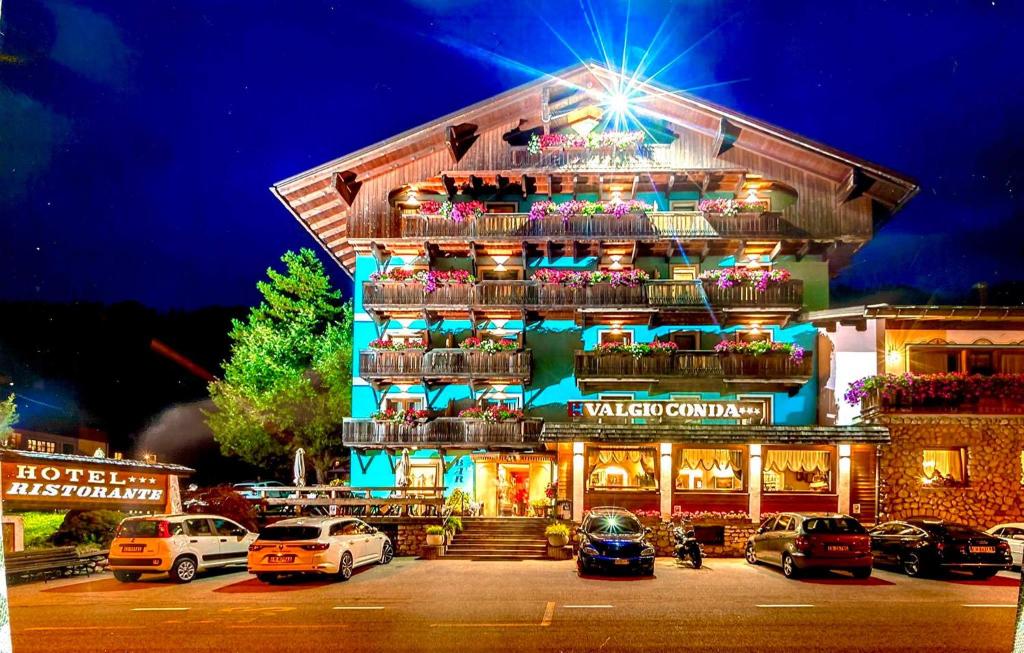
pixel 944 467
pixel 797 470
pixel 625 468
pixel 41 446
pixel 709 469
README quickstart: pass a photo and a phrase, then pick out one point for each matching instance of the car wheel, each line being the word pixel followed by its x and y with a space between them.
pixel 911 565
pixel 749 554
pixel 345 567
pixel 387 554
pixel 184 570
pixel 984 574
pixel 582 565
pixel 270 579
pixel 127 576
pixel 789 569
pixel 863 572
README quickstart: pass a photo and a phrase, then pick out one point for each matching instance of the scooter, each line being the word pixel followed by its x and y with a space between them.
pixel 687 546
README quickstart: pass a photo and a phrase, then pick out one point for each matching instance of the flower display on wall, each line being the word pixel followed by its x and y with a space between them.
pixel 731 207
pixel 637 349
pixel 489 346
pixel 710 515
pixel 582 279
pixel 761 347
pixel 757 277
pixel 394 416
pixel 575 208
pixel 429 279
pixel 492 414
pixel 605 140
pixel 454 211
pixel 944 389
pixel 387 344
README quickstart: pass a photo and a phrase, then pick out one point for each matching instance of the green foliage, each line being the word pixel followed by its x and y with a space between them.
pixel 94 527
pixel 288 382
pixel 8 418
pixel 453 524
pixel 557 530
pixel 435 530
pixel 40 527
pixel 225 501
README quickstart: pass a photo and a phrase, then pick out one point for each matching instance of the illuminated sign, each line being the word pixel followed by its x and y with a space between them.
pixel 679 409
pixel 80 484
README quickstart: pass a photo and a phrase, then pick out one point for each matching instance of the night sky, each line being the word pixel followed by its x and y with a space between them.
pixel 138 139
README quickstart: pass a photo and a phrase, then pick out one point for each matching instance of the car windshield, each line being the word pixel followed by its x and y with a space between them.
pixel 833 525
pixel 616 525
pixel 138 528
pixel 952 530
pixel 282 533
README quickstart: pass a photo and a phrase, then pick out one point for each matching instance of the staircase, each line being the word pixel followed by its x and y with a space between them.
pixel 492 538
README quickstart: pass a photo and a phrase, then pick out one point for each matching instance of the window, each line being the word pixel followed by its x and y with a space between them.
pixel 68 449
pixel 503 274
pixel 683 205
pixel 622 468
pixel 797 470
pixel 925 359
pixel 225 527
pixel 198 527
pixel 752 335
pixel 944 467
pixel 615 336
pixel 709 469
pixel 403 403
pixel 42 446
pixel 687 340
pixel 785 523
pixel 502 207
pixel 683 272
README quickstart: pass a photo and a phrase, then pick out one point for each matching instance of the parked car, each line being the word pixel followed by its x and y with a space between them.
pixel 1013 535
pixel 614 539
pixel 248 490
pixel 317 545
pixel 802 541
pixel 923 546
pixel 181 545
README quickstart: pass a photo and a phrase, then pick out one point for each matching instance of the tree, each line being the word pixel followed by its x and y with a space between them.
pixel 288 381
pixel 9 417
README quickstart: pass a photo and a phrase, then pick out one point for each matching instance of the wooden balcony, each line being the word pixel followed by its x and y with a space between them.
pixel 443 432
pixel 873 405
pixel 664 301
pixel 435 366
pixel 690 370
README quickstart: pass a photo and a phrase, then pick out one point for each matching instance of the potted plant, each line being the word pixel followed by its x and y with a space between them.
pixel 557 534
pixel 541 507
pixel 452 525
pixel 435 536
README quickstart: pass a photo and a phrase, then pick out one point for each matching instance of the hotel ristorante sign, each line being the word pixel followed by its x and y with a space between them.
pixel 672 409
pixel 71 484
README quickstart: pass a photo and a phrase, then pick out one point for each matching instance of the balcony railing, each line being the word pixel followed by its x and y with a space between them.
pixel 545 296
pixel 445 363
pixel 443 431
pixel 680 366
pixel 668 224
pixel 651 157
pixel 874 403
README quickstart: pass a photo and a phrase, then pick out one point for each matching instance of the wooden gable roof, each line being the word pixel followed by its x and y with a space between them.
pixel 323 198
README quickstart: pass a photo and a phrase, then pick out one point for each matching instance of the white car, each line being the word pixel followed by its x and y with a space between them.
pixel 317 545
pixel 1012 534
pixel 181 545
pixel 248 490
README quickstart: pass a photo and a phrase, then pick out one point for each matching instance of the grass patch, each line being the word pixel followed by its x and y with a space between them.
pixel 39 527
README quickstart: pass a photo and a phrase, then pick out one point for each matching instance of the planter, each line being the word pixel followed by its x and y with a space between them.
pixel 558 540
pixel 435 540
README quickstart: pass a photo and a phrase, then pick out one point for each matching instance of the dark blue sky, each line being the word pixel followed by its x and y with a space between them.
pixel 138 139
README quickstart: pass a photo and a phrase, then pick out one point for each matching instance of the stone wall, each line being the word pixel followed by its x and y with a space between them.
pixel 993 493
pixel 408 537
pixel 735 536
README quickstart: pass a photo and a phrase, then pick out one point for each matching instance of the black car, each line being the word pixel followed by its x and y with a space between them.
pixel 613 539
pixel 923 546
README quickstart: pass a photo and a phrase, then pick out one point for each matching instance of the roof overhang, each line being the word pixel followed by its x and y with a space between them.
pixel 714 433
pixel 858 315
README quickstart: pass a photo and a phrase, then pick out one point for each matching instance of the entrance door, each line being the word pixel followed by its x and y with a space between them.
pixel 513 489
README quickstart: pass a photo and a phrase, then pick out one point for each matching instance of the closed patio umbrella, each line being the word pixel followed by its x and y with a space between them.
pixel 299 469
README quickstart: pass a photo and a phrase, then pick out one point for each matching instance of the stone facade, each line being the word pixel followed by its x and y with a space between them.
pixel 735 536
pixel 993 493
pixel 408 538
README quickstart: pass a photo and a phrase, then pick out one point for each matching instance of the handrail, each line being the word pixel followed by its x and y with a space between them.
pixel 444 362
pixel 690 364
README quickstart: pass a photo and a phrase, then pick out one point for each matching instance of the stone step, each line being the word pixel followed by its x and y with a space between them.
pixel 495 556
pixel 497 545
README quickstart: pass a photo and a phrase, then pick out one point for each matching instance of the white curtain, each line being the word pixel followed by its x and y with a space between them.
pixel 947 462
pixel 605 456
pixel 797 460
pixel 707 459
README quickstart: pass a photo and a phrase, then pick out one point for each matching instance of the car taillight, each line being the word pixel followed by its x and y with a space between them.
pixel 802 544
pixel 1003 546
pixel 258 547
pixel 163 529
pixel 314 547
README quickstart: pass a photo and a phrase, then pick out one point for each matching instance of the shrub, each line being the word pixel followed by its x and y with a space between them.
pixel 557 530
pixel 222 500
pixel 435 530
pixel 40 527
pixel 453 524
pixel 95 527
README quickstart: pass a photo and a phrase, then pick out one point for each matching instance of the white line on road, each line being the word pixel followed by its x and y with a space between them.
pixel 589 607
pixel 990 605
pixel 549 613
pixel 359 607
pixel 785 605
pixel 159 609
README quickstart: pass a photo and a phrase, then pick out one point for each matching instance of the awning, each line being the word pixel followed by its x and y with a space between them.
pixel 714 433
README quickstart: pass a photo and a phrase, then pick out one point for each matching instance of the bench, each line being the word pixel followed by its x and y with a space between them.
pixel 52 563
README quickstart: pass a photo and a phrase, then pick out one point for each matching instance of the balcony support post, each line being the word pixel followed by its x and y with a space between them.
pixel 754 480
pixel 843 482
pixel 667 479
pixel 578 470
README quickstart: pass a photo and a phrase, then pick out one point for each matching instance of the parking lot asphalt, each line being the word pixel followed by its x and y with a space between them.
pixel 416 605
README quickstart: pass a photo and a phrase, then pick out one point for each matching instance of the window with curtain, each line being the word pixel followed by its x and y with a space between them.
pixel 622 468
pixel 709 469
pixel 944 467
pixel 797 470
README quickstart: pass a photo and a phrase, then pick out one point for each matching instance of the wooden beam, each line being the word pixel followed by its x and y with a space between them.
pixel 852 186
pixel 427 253
pixel 739 252
pixel 476 184
pixel 380 254
pixel 473 256
pixel 636 250
pixel 728 134
pixel 525 248
pixel 459 138
pixel 449 186
pixel 346 186
pixel 668 187
pixel 636 182
pixel 775 251
pixel 705 184
pixel 529 185
pixel 803 251
pixel 575 183
pixel 502 184
pixel 831 250
pixel 705 250
pixel 547 250
pixel 551 183
pixel 739 183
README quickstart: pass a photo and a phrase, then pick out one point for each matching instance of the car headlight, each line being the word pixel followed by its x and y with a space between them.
pixel 648 551
pixel 589 550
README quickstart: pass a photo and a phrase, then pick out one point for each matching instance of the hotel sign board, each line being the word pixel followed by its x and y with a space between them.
pixel 672 409
pixel 70 485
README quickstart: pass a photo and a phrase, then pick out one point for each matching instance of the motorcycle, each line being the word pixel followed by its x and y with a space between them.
pixel 687 547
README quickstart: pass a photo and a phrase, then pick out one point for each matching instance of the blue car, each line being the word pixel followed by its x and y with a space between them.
pixel 613 539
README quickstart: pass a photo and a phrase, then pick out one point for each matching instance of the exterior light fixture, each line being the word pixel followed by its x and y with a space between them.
pixel 499 324
pixel 500 260
pixel 498 387
pixel 752 195
pixel 618 103
pixel 617 196
pixel 616 258
pixel 893 356
pixel 404 322
pixel 413 197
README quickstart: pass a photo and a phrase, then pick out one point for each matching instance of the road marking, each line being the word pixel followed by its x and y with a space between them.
pixel 359 607
pixel 602 606
pixel 990 605
pixel 785 605
pixel 549 613
pixel 159 609
pixel 43 628
pixel 464 625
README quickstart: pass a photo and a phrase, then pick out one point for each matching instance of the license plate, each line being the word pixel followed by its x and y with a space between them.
pixel 983 549
pixel 837 547
pixel 280 560
pixel 622 561
pixel 133 548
